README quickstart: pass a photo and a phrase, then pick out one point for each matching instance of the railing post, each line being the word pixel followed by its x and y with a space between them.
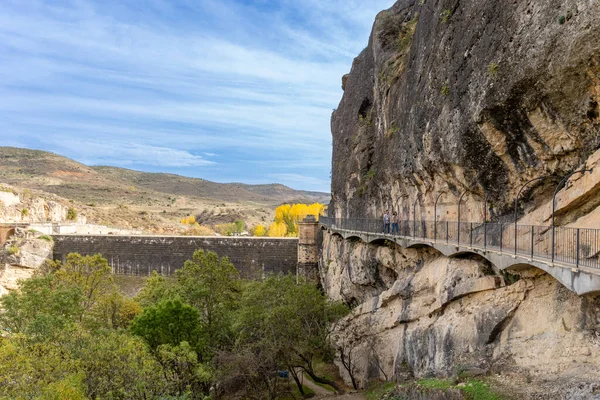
pixel 447 233
pixel 484 235
pixel 577 249
pixel 517 203
pixel 435 216
pixel 458 234
pixel 459 200
pixel 532 241
pixel 515 233
pixel 583 171
pixel 471 234
pixel 415 215
pixel 501 234
pixel 485 220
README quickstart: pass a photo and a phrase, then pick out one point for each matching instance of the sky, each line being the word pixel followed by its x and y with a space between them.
pixel 224 90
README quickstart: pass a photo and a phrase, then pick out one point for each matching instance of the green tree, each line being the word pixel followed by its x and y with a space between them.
pixel 239 226
pixel 185 373
pixel 117 365
pixel 36 369
pixel 156 288
pixel 116 311
pixel 90 274
pixel 41 308
pixel 71 214
pixel 168 322
pixel 62 339
pixel 290 321
pixel 212 285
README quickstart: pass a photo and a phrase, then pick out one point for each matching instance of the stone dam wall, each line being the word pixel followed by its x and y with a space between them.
pixel 140 255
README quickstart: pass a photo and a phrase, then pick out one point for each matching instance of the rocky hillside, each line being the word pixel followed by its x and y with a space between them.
pixel 452 95
pixel 53 173
pixel 122 198
pixel 481 97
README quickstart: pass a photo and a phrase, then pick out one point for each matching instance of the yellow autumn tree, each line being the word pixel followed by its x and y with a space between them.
pixel 287 217
pixel 190 220
pixel 259 230
pixel 277 229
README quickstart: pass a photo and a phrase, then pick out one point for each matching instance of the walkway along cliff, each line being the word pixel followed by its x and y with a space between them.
pixel 479 124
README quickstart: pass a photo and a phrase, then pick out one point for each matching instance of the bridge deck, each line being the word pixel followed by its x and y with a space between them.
pixel 575 263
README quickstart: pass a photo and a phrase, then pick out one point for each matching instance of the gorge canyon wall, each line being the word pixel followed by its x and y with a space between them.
pixel 454 96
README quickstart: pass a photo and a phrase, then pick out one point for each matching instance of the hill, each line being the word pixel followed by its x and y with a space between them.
pixel 118 196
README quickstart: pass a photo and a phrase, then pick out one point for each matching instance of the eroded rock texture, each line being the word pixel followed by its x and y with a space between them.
pixel 443 317
pixel 451 96
pixel 454 95
pixel 22 255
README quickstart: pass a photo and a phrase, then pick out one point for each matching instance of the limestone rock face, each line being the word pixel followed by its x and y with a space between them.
pixel 477 95
pixel 443 316
pixel 21 256
pixel 454 97
pixel 24 207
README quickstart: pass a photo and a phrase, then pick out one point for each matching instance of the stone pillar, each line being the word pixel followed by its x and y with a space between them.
pixel 308 249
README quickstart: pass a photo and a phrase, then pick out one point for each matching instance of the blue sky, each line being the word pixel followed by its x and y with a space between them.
pixel 230 91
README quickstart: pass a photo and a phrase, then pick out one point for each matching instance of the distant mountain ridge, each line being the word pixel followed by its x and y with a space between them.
pixel 50 172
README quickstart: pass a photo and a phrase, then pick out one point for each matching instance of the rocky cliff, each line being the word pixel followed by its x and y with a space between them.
pixel 24 206
pixel 419 314
pixel 21 256
pixel 480 97
pixel 453 95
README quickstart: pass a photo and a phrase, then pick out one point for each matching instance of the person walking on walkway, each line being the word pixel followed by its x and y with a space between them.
pixel 394 223
pixel 386 221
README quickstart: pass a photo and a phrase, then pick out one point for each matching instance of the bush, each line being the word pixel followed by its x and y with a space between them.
pixel 189 220
pixel 445 16
pixel 47 238
pixel 230 229
pixel 71 214
pixel 445 89
pixel 12 250
pixel 24 212
pixel 259 230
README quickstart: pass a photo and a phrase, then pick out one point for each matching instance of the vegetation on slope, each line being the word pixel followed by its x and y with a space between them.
pixel 69 333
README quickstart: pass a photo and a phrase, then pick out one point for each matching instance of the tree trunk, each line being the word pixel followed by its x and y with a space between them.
pixel 295 376
pixel 324 381
pixel 347 363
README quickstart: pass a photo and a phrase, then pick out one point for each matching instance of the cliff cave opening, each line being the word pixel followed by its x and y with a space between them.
pixel 365 106
pixel 593 111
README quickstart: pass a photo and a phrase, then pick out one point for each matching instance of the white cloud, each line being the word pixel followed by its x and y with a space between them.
pixel 102 153
pixel 141 85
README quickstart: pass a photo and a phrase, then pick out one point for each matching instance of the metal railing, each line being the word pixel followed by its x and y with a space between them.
pixel 572 246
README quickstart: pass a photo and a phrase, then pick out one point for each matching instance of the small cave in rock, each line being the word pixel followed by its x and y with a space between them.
pixel 365 106
pixel 387 276
pixel 352 302
pixel 593 112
